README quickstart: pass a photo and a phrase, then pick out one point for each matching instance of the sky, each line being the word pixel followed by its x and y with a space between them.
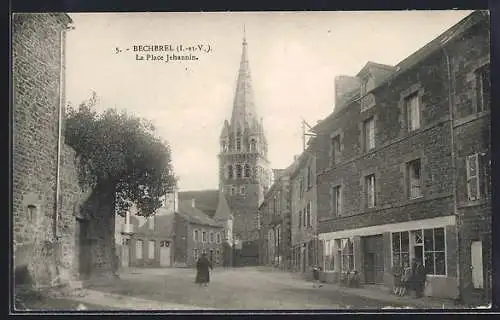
pixel 294 58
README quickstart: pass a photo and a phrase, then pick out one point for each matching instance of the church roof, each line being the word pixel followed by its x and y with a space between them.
pixel 223 212
pixel 244 113
pixel 205 200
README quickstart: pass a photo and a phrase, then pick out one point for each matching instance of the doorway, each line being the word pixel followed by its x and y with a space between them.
pixel 84 247
pixel 165 259
pixel 373 256
pixel 125 253
pixel 476 254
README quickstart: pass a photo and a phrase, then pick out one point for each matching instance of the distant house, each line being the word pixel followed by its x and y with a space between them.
pixel 176 235
pixel 146 242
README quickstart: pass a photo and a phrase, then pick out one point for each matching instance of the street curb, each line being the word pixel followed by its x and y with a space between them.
pixel 129 303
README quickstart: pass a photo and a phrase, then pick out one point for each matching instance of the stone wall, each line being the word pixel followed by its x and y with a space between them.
pixel 37 63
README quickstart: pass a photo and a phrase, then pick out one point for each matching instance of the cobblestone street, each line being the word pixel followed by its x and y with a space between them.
pixel 244 288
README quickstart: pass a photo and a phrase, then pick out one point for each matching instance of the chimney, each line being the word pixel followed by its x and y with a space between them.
pixel 193 203
pixel 345 86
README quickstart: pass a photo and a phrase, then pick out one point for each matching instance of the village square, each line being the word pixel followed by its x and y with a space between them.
pixel 385 205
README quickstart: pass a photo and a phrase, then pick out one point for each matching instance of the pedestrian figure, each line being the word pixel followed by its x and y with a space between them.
pixel 203 266
pixel 316 269
pixel 397 272
pixel 419 278
pixel 406 278
pixel 115 261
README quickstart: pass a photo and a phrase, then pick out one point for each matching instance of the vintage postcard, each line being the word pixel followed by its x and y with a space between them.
pixel 279 161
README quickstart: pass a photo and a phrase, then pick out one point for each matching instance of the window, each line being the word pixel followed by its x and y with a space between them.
pixel 472 167
pixel 233 190
pixel 151 223
pixel 151 249
pixel 238 171
pixel 434 252
pixel 212 237
pixel 238 141
pixel 253 145
pixel 204 236
pixel 304 217
pixel 400 248
pixel 301 187
pixel 309 178
pixel 412 103
pixel 275 205
pixel 329 264
pixel 217 256
pixel 483 88
pixel 370 190
pixel 218 237
pixel 369 134
pixel 335 149
pixel 300 219
pixel 224 146
pixel 243 190
pixel 164 244
pixel 138 249
pixel 337 201
pixel 345 253
pixel 195 254
pixel 195 235
pixel 230 172
pixel 247 170
pixel 308 214
pixel 414 179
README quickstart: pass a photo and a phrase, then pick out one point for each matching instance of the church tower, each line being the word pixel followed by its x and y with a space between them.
pixel 244 173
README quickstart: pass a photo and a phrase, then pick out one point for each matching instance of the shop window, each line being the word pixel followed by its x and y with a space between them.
pixel 434 251
pixel 400 248
pixel 329 264
pixel 345 254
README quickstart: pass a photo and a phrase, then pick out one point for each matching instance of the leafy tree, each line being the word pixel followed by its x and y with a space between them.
pixel 121 156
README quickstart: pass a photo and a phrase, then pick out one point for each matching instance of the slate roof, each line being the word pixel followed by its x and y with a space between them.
pixel 194 215
pixel 206 200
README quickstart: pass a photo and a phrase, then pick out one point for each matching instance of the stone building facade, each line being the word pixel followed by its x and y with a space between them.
pixel 43 167
pixel 244 173
pixel 404 167
pixel 275 222
pixel 303 201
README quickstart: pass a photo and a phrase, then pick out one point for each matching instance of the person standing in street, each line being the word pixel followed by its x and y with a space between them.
pixel 316 269
pixel 203 266
pixel 406 278
pixel 419 278
pixel 397 273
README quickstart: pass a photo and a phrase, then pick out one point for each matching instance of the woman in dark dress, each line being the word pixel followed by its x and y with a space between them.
pixel 203 266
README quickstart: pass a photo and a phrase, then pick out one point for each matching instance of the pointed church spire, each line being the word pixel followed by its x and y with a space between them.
pixel 243 106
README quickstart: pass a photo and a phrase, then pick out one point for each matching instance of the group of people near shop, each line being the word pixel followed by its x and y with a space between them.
pixel 409 278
